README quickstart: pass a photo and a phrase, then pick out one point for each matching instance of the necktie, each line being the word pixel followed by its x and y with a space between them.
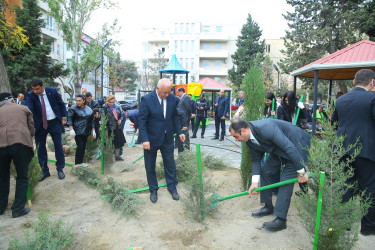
pixel 44 114
pixel 162 106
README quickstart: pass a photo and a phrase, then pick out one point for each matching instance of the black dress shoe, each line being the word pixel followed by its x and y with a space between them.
pixel 202 136
pixel 221 139
pixel 154 196
pixel 193 136
pixel 21 213
pixel 266 210
pixel 175 196
pixel 215 138
pixel 61 175
pixel 367 233
pixel 44 176
pixel 277 224
pixel 1 212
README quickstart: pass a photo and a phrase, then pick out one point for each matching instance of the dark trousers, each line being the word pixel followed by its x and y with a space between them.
pixel 81 141
pixel 54 129
pixel 364 174
pixel 199 120
pixel 166 150
pixel 271 166
pixel 192 123
pixel 219 123
pixel 186 144
pixel 21 156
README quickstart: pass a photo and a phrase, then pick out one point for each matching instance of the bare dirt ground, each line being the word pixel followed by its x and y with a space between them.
pixel 164 225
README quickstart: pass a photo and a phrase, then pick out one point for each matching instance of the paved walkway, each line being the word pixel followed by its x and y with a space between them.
pixel 228 150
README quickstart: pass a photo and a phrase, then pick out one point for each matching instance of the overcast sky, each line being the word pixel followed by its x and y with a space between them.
pixel 133 15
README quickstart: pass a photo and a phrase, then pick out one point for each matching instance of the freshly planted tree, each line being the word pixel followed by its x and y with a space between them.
pixel 249 45
pixel 254 102
pixel 338 224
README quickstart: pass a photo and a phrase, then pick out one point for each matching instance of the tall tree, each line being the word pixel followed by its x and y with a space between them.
pixel 72 17
pixel 154 65
pixel 33 60
pixel 249 45
pixel 318 28
pixel 125 73
pixel 368 20
pixel 11 36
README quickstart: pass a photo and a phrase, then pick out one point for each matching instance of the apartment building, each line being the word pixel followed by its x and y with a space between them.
pixel 202 48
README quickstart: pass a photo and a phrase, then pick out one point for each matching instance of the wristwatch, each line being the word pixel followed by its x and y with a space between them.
pixel 300 174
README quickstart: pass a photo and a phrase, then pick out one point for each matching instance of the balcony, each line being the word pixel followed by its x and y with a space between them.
pixel 213 71
pixel 214 36
pixel 213 53
pixel 154 37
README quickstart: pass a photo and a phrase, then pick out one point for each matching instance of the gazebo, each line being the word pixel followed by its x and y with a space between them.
pixel 341 65
pixel 210 85
pixel 174 67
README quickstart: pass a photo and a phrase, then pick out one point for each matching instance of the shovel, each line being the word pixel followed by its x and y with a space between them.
pixel 279 184
pixel 132 143
pixel 131 163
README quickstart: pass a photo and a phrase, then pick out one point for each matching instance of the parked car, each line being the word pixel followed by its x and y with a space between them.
pixel 129 103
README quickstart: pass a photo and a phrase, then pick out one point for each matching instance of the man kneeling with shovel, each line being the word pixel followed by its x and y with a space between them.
pixel 287 146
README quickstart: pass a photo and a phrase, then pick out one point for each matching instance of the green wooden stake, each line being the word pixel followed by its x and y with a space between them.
pixel 199 165
pixel 273 107
pixel 29 195
pixel 66 164
pixel 319 210
pixel 131 163
pixel 101 155
pixel 295 120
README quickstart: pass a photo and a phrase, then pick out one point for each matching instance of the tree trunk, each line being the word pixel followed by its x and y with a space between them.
pixel 4 81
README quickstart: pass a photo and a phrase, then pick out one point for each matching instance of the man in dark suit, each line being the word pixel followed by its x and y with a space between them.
pixel 158 120
pixel 20 99
pixel 193 111
pixel 286 144
pixel 49 116
pixel 132 115
pixel 221 105
pixel 355 114
pixel 184 112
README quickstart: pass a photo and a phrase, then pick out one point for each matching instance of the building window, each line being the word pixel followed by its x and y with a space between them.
pixel 187 28
pixel 218 79
pixel 217 63
pixel 144 47
pixel 219 28
pixel 58 50
pixel 192 45
pixel 176 28
pixel 192 27
pixel 218 46
pixel 49 22
pixel 181 28
pixel 192 63
pixel 268 48
pixel 181 45
pixel 186 63
pixel 175 45
pixel 68 47
pixel 205 63
pixel 52 47
pixel 69 64
pixel 163 48
pixel 182 61
pixel 144 64
pixel 187 45
pixel 206 46
pixel 206 28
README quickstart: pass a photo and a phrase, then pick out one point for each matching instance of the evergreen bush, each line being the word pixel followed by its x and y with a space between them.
pixel 45 235
pixel 338 227
pixel 253 104
pixel 108 149
pixel 91 151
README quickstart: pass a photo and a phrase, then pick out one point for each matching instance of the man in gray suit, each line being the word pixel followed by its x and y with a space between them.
pixel 286 145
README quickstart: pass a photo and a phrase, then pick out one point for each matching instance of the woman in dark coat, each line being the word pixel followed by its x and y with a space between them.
pixel 268 107
pixel 80 122
pixel 114 124
pixel 288 109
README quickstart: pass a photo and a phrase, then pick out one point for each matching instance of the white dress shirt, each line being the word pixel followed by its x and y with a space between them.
pixel 50 114
pixel 164 104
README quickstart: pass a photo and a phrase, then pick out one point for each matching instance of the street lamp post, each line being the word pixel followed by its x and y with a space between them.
pixel 96 84
pixel 105 45
pixel 278 77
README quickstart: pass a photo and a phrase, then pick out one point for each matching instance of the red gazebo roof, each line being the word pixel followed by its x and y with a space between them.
pixel 210 85
pixel 343 64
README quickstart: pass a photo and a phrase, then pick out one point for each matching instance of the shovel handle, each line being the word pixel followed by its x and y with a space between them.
pixel 282 183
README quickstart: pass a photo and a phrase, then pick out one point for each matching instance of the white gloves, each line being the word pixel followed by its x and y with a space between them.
pixel 72 133
pixel 93 134
pixel 300 105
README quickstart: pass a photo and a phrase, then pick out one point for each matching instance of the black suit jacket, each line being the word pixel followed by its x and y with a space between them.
pixel 279 138
pixel 152 124
pixel 355 114
pixel 185 107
